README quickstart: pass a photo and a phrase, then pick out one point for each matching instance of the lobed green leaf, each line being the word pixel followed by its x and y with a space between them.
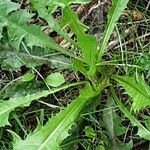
pixel 142 131
pixel 87 43
pixel 137 89
pixel 7 106
pixel 50 136
pixel 19 29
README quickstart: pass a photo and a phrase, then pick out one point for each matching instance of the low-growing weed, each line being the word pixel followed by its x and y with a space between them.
pixel 25 46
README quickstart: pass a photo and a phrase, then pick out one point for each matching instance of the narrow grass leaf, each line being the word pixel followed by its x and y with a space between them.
pixel 116 10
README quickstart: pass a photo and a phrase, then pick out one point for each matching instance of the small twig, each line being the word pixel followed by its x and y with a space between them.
pixel 95 6
pixel 138 144
pixel 147 5
pixel 134 22
pixel 114 43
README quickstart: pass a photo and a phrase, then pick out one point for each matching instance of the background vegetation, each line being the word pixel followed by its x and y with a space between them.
pixel 74 74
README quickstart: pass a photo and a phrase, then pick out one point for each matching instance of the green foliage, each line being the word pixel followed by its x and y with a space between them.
pixel 112 120
pixel 11 59
pixel 142 131
pixel 33 36
pixel 89 132
pixel 7 106
pixel 116 10
pixel 55 79
pixel 145 63
pixel 56 129
pixel 87 43
pixel 5 8
pixel 23 43
pixel 100 147
pixel 44 13
pixel 137 89
pixel 53 4
pixel 27 77
pixel 113 124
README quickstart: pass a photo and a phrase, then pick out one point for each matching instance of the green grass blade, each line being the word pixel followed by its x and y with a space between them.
pixel 116 10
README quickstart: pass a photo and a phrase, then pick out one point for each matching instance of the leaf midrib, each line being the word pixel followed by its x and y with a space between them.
pixel 110 24
pixel 54 45
pixel 131 118
pixel 62 122
pixel 44 93
pixel 146 96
